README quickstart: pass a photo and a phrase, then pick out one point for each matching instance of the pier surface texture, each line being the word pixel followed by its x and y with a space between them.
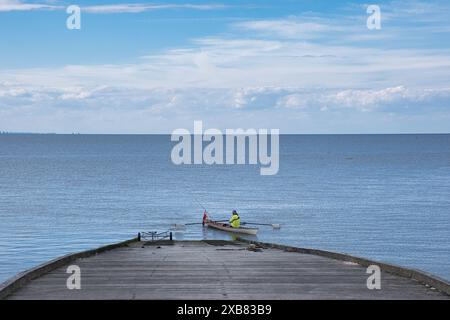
pixel 211 270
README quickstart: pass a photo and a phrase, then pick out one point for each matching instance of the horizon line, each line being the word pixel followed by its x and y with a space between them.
pixel 168 134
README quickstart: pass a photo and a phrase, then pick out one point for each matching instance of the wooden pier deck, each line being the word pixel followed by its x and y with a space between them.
pixel 217 270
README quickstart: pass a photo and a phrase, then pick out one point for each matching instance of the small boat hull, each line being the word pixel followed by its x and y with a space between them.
pixel 228 228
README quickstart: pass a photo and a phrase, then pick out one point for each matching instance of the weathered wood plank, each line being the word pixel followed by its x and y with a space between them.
pixel 197 270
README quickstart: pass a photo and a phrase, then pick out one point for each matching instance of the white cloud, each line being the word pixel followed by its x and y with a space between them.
pixel 16 5
pixel 106 109
pixel 240 62
pixel 421 11
pixel 220 100
pixel 289 28
pixel 141 7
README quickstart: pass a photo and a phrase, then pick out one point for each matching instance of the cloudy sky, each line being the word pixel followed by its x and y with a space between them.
pixel 303 66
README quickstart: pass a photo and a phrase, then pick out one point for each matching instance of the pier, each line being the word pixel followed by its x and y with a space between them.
pixel 240 269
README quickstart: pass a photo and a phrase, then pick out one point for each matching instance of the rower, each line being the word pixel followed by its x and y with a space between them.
pixel 235 221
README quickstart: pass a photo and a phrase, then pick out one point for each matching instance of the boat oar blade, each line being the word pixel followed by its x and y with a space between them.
pixel 274 225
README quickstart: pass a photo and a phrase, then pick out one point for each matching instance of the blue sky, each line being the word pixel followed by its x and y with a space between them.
pixel 151 67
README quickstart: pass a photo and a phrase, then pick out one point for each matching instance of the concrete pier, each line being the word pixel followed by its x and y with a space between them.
pixel 213 270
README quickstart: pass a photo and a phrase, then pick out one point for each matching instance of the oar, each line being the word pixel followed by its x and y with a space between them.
pixel 275 225
pixel 183 226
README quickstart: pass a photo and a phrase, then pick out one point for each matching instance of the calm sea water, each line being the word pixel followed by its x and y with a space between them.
pixel 385 197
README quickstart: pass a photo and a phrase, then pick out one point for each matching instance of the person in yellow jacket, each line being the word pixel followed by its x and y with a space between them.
pixel 235 221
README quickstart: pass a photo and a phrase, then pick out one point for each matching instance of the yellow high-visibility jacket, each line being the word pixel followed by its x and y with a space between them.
pixel 235 221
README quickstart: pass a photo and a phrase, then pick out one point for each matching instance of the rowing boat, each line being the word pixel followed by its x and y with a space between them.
pixel 226 227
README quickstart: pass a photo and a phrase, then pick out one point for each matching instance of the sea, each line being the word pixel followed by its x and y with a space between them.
pixel 383 197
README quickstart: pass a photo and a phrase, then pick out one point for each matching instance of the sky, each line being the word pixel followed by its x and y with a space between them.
pixel 300 66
